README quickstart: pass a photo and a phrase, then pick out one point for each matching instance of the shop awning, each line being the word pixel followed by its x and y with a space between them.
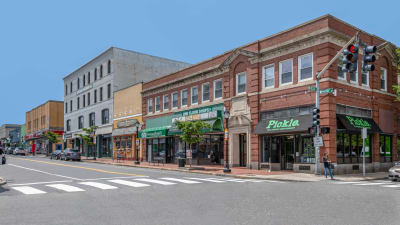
pixel 154 132
pixel 355 124
pixel 124 131
pixel 215 126
pixel 284 125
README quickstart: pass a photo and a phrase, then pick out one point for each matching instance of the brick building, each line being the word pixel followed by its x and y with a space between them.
pixel 264 85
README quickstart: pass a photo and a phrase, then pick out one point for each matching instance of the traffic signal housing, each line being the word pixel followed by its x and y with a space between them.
pixel 350 58
pixel 315 117
pixel 369 58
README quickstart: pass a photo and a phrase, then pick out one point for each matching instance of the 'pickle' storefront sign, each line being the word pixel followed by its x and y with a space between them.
pixel 282 124
pixel 358 122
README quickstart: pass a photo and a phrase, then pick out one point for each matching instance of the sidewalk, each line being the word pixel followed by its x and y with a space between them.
pixel 241 172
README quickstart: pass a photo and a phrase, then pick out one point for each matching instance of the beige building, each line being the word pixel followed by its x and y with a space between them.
pixel 127 121
pixel 44 118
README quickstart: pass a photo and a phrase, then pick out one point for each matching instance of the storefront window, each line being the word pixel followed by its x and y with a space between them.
pixel 349 148
pixel 118 143
pixel 162 147
pixel 271 149
pixel 307 150
pixel 123 142
pixel 129 142
pixel 385 148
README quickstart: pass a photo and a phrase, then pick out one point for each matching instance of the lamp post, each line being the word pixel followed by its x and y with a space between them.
pixel 136 143
pixel 226 116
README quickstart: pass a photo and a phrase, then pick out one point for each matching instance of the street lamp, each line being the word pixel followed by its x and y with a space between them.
pixel 226 116
pixel 136 142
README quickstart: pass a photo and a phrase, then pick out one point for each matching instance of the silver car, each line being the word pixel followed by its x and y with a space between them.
pixel 394 172
pixel 19 151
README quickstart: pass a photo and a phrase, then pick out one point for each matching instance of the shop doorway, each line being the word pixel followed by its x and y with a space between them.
pixel 242 150
pixel 287 152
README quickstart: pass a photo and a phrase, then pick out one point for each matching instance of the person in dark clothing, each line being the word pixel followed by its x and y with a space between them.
pixel 327 165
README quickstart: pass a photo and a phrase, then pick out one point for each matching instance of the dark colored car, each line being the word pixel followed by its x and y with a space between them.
pixel 70 154
pixel 56 154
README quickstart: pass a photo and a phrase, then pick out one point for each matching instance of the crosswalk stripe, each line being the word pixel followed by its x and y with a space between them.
pixel 129 183
pixel 367 184
pixel 28 190
pixel 155 181
pixel 99 185
pixel 206 179
pixel 181 180
pixel 64 187
pixel 231 180
pixel 392 186
pixel 348 182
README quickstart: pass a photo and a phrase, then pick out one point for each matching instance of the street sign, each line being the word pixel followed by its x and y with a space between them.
pixel 326 91
pixel 318 142
pixel 188 154
pixel 364 133
pixel 312 88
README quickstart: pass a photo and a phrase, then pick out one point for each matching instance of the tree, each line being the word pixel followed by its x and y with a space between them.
pixel 191 131
pixel 52 137
pixel 87 137
pixel 396 88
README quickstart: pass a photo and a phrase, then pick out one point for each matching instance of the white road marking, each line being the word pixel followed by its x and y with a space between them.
pixel 99 185
pixel 155 181
pixel 40 171
pixel 64 187
pixel 348 182
pixel 181 180
pixel 28 190
pixel 367 184
pixel 109 178
pixel 129 183
pixel 49 182
pixel 230 179
pixel 392 186
pixel 205 179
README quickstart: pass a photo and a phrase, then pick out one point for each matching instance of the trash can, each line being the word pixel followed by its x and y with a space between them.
pixel 181 162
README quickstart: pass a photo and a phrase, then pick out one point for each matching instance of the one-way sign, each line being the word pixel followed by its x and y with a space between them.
pixel 318 142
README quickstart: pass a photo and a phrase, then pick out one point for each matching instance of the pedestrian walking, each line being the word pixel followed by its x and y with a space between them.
pixel 327 165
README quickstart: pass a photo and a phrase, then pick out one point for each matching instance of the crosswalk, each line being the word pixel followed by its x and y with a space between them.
pixel 117 183
pixel 372 183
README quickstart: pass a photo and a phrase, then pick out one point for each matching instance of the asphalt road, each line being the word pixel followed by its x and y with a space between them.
pixel 42 191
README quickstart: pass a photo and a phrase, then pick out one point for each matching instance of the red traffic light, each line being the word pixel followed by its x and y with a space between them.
pixel 352 49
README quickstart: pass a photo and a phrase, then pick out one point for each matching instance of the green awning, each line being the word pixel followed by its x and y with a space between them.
pixel 154 132
pixel 215 126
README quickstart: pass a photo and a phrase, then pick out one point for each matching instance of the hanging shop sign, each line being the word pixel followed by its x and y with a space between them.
pixel 358 122
pixel 284 125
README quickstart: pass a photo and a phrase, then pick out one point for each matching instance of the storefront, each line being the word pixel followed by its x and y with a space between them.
pixel 124 138
pixel 163 142
pixel 286 143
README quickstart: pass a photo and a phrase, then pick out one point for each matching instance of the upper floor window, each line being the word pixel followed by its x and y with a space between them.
pixel 149 105
pixel 158 103
pixel 194 95
pixel 84 101
pixel 101 71
pixel 286 71
pixel 205 92
pixel 95 96
pixel 68 125
pixel 306 67
pixel 184 98
pixel 88 98
pixel 241 83
pixel 365 78
pixel 268 76
pixel 80 122
pixel 109 91
pixel 66 89
pixel 354 76
pixel 88 78
pixel 70 106
pixel 217 89
pixel 109 67
pixel 341 73
pixel 101 93
pixel 175 100
pixel 92 119
pixel 78 103
pixel 70 87
pixel 166 102
pixel 383 76
pixel 95 74
pixel 66 107
pixel 84 80
pixel 79 83
pixel 105 116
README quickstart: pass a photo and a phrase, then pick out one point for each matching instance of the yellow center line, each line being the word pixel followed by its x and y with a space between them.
pixel 82 167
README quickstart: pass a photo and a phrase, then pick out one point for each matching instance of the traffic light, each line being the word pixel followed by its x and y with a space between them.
pixel 350 58
pixel 315 117
pixel 368 58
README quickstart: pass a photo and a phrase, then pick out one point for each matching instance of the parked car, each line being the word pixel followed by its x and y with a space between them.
pixel 70 154
pixel 19 151
pixel 55 154
pixel 9 150
pixel 394 172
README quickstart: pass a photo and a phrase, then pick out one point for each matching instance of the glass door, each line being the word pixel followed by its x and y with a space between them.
pixel 243 149
pixel 287 153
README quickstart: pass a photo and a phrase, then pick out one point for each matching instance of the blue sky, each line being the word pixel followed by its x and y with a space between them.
pixel 43 41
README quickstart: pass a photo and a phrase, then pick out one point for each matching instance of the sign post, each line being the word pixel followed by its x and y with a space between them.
pixel 364 136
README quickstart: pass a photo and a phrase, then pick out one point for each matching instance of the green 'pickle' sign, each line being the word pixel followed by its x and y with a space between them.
pixel 358 122
pixel 282 124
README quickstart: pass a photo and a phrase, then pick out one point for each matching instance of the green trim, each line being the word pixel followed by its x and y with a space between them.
pixel 154 132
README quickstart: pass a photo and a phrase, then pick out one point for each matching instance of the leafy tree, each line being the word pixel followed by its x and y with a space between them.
pixel 52 137
pixel 191 130
pixel 87 136
pixel 396 88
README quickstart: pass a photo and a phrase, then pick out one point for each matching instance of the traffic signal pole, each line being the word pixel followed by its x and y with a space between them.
pixel 318 77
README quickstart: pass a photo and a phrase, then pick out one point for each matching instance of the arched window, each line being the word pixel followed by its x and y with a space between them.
pixel 105 116
pixel 109 67
pixel 95 74
pixel 101 71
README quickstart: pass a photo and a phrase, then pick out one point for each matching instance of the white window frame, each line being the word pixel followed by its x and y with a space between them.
pixel 344 73
pixel 237 83
pixel 365 85
pixel 202 92
pixel 165 109
pixel 191 95
pixel 187 98
pixel 155 103
pixel 264 75
pixel 172 100
pixel 385 75
pixel 222 89
pixel 356 81
pixel 280 72
pixel 148 106
pixel 299 67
